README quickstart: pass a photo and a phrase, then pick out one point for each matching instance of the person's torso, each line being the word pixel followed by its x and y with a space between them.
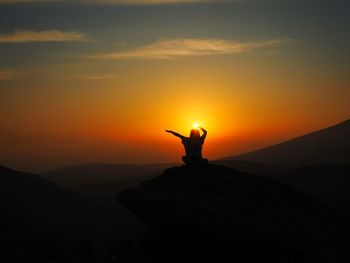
pixel 193 147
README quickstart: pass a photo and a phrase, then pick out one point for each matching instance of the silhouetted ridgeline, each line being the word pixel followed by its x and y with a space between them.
pixel 42 221
pixel 330 183
pixel 317 164
pixel 38 217
pixel 31 205
pixel 330 145
pixel 103 179
pixel 256 168
pixel 213 212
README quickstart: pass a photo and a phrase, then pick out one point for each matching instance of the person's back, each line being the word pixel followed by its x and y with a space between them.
pixel 193 146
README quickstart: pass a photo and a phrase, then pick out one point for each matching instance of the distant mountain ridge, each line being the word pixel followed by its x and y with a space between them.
pixel 32 205
pixel 329 145
pixel 103 178
pixel 329 183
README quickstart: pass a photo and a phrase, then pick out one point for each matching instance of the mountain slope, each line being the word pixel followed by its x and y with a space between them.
pixel 259 169
pixel 101 182
pixel 103 179
pixel 329 183
pixel 33 206
pixel 330 145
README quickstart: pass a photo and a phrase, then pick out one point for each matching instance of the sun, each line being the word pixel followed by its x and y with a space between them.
pixel 196 125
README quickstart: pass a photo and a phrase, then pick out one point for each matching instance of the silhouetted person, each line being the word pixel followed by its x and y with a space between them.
pixel 193 146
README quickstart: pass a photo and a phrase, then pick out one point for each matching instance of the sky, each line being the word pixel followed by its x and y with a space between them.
pixel 100 81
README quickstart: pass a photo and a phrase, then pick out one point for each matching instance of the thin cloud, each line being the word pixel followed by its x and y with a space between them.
pixel 122 2
pixel 175 48
pixel 11 74
pixel 87 76
pixel 7 74
pixel 41 36
pixel 147 2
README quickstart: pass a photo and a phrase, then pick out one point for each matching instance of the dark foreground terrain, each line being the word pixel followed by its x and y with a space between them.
pixel 183 214
pixel 285 203
pixel 42 221
pixel 211 213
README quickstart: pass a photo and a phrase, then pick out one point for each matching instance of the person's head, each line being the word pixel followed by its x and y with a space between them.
pixel 195 134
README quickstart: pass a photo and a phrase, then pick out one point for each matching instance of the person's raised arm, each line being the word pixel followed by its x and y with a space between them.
pixel 204 133
pixel 176 134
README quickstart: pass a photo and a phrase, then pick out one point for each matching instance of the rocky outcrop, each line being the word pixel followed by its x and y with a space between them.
pixel 225 206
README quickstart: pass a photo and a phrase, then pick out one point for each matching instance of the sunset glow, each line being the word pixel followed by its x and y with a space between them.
pixel 174 130
pixel 101 82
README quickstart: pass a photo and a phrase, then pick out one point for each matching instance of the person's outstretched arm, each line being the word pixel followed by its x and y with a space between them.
pixel 176 134
pixel 204 133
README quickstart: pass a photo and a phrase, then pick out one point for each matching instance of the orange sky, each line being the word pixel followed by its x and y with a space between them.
pixel 66 122
pixel 105 86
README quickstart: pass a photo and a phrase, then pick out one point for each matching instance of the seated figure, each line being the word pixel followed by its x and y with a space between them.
pixel 193 146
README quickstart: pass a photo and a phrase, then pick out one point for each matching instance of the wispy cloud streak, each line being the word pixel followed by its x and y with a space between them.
pixel 41 36
pixel 87 76
pixel 11 74
pixel 123 2
pixel 7 74
pixel 174 48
